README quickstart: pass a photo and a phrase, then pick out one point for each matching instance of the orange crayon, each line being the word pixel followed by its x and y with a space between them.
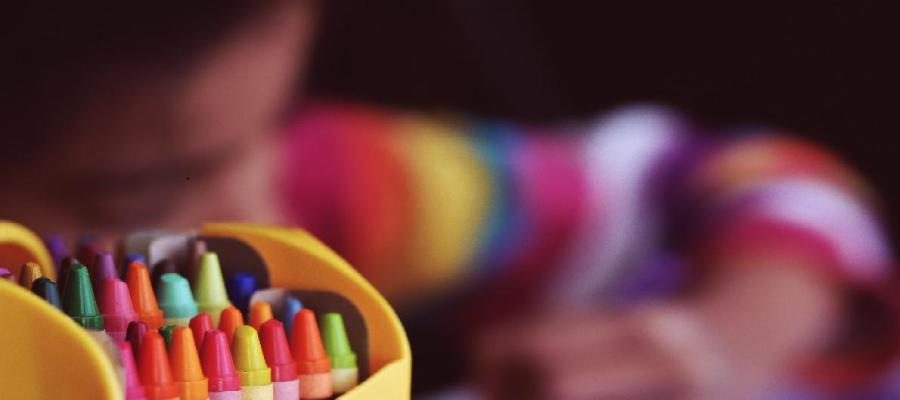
pixel 156 373
pixel 230 320
pixel 186 370
pixel 260 312
pixel 142 296
pixel 313 365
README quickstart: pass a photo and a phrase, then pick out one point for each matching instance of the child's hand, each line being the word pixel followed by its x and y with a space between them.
pixel 597 356
pixel 733 340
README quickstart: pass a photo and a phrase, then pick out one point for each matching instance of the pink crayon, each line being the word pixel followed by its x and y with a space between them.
pixel 134 390
pixel 115 304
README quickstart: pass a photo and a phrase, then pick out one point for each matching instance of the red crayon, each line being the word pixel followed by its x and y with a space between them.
pixel 218 366
pixel 200 324
pixel 115 304
pixel 135 336
pixel 156 373
pixel 133 388
pixel 278 356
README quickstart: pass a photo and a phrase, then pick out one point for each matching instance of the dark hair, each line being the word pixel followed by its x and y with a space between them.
pixel 59 51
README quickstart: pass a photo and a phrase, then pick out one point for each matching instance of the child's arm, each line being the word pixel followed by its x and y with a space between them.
pixel 781 231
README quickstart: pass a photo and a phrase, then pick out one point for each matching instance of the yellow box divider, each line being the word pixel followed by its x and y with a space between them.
pixel 41 345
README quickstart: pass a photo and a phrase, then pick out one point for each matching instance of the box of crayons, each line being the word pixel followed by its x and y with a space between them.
pixel 232 311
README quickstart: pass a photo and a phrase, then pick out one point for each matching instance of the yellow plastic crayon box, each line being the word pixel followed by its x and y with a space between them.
pixel 47 355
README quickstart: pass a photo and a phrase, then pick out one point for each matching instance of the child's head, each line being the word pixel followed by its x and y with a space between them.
pixel 160 113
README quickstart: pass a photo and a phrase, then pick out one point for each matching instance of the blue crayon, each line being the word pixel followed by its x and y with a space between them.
pixel 289 309
pixel 240 288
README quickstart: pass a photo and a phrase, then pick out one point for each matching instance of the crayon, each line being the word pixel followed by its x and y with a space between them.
pixel 132 257
pixel 142 296
pixel 186 370
pixel 200 324
pixel 5 273
pixel 289 309
pixel 102 268
pixel 196 249
pixel 156 373
pixel 231 319
pixel 79 302
pixel 240 288
pixel 118 312
pixel 209 287
pixel 313 365
pixel 47 290
pixel 218 366
pixel 166 332
pixel 344 371
pixel 285 382
pixel 260 312
pixel 176 299
pixel 64 268
pixel 134 390
pixel 165 266
pixel 57 248
pixel 135 335
pixel 255 375
pixel 87 248
pixel 29 273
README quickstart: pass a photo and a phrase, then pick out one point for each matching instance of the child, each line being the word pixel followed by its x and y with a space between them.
pixel 170 120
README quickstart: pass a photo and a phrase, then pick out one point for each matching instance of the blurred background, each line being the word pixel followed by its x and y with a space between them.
pixel 826 71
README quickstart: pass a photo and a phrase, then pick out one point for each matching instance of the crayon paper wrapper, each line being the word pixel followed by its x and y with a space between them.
pixel 257 392
pixel 231 395
pixel 289 390
pixel 315 386
pixel 344 379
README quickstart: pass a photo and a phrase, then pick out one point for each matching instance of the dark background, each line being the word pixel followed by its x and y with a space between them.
pixel 826 70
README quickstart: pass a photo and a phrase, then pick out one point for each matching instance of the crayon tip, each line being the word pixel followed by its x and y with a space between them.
pixel 200 324
pixel 135 336
pixel 142 296
pixel 166 332
pixel 337 345
pixel 209 287
pixel 240 287
pixel 115 303
pixel 47 290
pixel 196 249
pixel 133 388
pixel 175 297
pixel 260 312
pixel 248 358
pixel 164 266
pixel 218 366
pixel 289 309
pixel 156 373
pixel 231 319
pixel 5 273
pixel 277 352
pixel 88 247
pixel 79 301
pixel 102 268
pixel 57 247
pixel 186 365
pixel 29 273
pixel 64 268
pixel 306 344
pixel 132 257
